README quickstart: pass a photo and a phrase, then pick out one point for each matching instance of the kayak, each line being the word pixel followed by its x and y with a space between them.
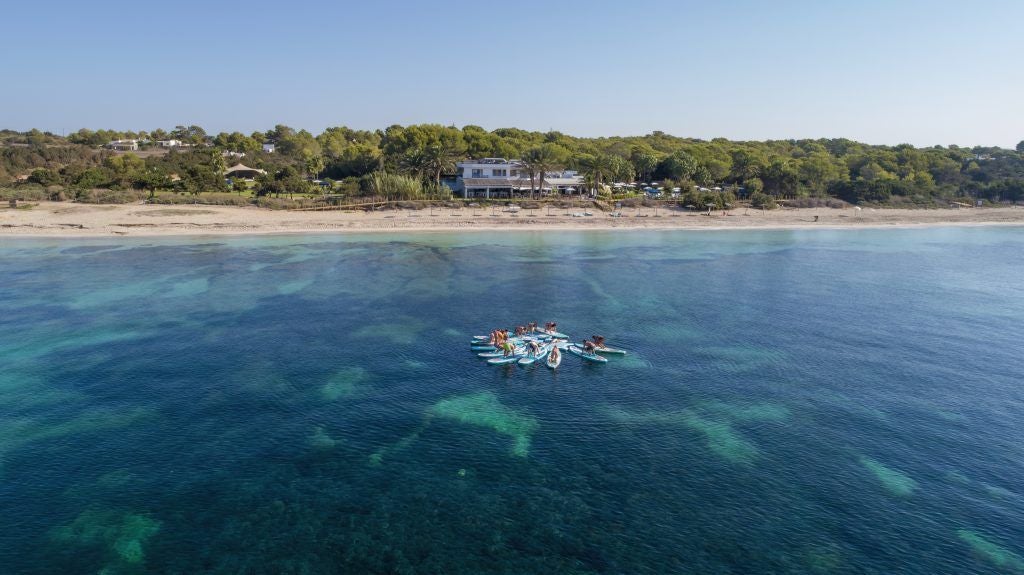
pixel 482 347
pixel 554 361
pixel 489 354
pixel 557 335
pixel 529 359
pixel 587 356
pixel 611 350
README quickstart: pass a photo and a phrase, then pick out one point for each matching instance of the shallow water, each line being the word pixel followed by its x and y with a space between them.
pixel 793 402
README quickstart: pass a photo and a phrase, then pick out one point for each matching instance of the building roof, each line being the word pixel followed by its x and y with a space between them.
pixel 489 161
pixel 242 168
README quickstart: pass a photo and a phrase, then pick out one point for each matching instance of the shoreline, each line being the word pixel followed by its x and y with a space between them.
pixel 64 220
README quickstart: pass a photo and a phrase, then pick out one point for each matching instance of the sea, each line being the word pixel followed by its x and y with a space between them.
pixel 792 402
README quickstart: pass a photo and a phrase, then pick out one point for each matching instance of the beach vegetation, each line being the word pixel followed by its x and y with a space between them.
pixel 839 168
pixel 762 200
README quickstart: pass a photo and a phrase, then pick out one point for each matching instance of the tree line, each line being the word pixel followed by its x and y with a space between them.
pixel 426 153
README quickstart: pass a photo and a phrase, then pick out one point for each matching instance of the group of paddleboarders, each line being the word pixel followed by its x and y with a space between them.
pixel 499 338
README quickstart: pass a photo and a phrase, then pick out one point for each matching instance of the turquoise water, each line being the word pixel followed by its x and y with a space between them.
pixel 793 402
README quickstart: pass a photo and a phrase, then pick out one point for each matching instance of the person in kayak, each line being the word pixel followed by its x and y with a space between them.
pixel 520 330
pixel 507 348
pixel 598 341
pixel 588 346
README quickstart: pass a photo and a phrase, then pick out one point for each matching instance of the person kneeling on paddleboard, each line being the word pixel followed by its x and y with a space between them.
pixel 534 348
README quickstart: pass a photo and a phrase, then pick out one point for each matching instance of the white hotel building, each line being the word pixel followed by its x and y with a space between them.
pixel 501 178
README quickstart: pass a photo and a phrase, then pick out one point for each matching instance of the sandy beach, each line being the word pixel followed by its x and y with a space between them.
pixel 62 219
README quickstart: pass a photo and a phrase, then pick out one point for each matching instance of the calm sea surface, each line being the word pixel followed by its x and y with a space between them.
pixel 792 402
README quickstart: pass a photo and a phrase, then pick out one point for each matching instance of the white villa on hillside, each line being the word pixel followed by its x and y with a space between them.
pixel 124 145
pixel 501 178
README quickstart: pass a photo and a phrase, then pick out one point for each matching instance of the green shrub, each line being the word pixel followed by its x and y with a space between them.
pixel 24 193
pixel 102 196
pixel 762 200
pixel 284 204
pixel 209 199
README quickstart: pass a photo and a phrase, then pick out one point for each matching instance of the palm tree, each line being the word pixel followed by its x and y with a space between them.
pixel 438 158
pixel 596 169
pixel 415 162
pixel 541 159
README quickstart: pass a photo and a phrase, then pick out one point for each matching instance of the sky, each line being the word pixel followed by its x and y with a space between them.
pixel 922 72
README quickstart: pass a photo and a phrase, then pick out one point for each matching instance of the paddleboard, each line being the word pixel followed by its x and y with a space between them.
pixel 587 356
pixel 529 359
pixel 553 361
pixel 504 360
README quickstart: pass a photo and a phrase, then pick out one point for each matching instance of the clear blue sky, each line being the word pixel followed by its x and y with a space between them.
pixel 886 72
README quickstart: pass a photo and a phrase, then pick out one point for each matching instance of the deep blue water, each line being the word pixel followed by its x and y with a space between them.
pixel 793 402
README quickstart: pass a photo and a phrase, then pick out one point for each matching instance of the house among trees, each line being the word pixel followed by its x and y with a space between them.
pixel 124 145
pixel 501 178
pixel 170 143
pixel 268 147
